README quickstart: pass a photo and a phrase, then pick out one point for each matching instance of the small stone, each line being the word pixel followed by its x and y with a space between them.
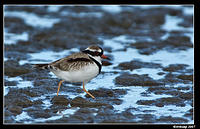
pixel 81 102
pixel 15 109
pixel 136 80
pixel 60 100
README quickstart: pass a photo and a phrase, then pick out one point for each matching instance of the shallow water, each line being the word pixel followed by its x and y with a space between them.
pixel 117 46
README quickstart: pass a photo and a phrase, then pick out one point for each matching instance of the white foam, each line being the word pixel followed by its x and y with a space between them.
pixel 5 90
pixel 130 99
pixel 163 57
pixel 54 8
pixel 68 112
pixel 13 78
pixel 22 117
pixel 132 96
pixel 118 42
pixel 12 38
pixel 152 72
pixel 165 111
pixel 21 84
pixel 112 8
pixel 171 24
pixel 166 58
pixel 188 10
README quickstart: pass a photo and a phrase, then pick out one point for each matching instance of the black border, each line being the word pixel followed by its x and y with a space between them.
pixel 121 2
pixel 98 2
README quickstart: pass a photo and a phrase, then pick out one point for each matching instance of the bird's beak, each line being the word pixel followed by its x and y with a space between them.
pixel 104 57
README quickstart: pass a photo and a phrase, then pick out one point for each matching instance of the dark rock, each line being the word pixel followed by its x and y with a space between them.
pixel 186 77
pixel 27 92
pixel 172 43
pixel 106 115
pixel 10 83
pixel 175 67
pixel 160 73
pixel 101 93
pixel 9 117
pixel 13 69
pixel 106 63
pixel 81 102
pixel 171 101
pixel 179 42
pixel 60 100
pixel 17 97
pixel 163 101
pixel 35 113
pixel 145 94
pixel 145 102
pixel 18 101
pixel 147 47
pixel 85 115
pixel 189 113
pixel 23 102
pixel 86 110
pixel 128 114
pixel 183 88
pixel 170 119
pixel 15 109
pixel 186 96
pixel 118 92
pixel 12 22
pixel 146 118
pixel 172 92
pixel 129 65
pixel 38 102
pixel 40 82
pixel 105 111
pixel 163 90
pixel 159 104
pixel 136 64
pixel 188 21
pixel 116 101
pixel 136 80
pixel 170 78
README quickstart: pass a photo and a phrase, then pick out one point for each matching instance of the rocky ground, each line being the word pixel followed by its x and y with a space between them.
pixel 81 26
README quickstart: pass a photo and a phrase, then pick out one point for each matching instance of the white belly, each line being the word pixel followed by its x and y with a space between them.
pixel 84 74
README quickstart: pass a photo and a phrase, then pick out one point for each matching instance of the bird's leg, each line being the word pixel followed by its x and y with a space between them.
pixel 87 91
pixel 59 86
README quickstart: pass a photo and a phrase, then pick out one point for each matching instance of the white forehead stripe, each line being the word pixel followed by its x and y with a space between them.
pixel 93 50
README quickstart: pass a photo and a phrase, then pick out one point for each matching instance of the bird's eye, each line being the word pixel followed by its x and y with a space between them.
pixel 96 53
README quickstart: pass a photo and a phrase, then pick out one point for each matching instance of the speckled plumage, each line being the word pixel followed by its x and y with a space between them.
pixel 81 64
pixel 72 62
pixel 78 67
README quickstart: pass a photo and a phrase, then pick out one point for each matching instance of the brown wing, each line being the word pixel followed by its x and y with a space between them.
pixel 72 62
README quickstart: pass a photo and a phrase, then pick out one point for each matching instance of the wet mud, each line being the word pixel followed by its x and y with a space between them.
pixel 134 87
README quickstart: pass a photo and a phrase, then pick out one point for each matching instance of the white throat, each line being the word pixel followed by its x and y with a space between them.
pixel 97 58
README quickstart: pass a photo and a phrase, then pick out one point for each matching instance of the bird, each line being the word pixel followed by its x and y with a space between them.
pixel 81 67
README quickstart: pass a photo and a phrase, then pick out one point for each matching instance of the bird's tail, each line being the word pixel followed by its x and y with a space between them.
pixel 40 66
